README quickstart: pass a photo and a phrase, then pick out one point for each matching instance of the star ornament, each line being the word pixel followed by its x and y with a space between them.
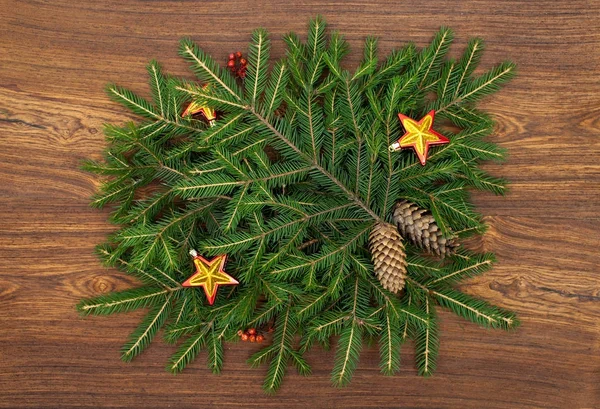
pixel 209 275
pixel 195 108
pixel 419 136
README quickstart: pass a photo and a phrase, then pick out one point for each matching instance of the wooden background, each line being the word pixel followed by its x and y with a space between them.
pixel 56 57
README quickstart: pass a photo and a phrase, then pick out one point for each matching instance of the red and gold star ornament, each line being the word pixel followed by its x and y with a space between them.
pixel 194 108
pixel 209 275
pixel 419 136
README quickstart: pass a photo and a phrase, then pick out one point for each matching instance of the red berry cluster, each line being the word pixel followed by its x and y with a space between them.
pixel 250 335
pixel 237 64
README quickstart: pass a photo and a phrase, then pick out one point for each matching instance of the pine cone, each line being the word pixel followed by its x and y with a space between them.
pixel 389 259
pixel 420 227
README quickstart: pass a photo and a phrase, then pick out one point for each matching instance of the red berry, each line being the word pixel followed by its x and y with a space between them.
pixel 238 54
pixel 232 56
pixel 252 331
pixel 244 337
pixel 260 338
pixel 243 61
pixel 231 64
pixel 252 338
pixel 240 332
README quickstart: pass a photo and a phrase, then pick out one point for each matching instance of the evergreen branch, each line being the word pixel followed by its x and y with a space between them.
pixel 261 357
pixel 281 350
pixel 206 66
pixel 412 315
pixel 447 75
pixel 322 170
pixel 142 337
pixel 215 352
pixel 346 357
pixel 300 363
pixel 276 88
pixel 156 83
pixel 174 332
pixel 181 310
pixel 143 259
pixel 485 84
pixel 141 273
pixel 316 36
pixel 323 256
pixel 267 313
pixel 189 350
pixel 243 240
pixel 150 207
pixel 389 349
pixel 141 107
pixel 369 62
pixel 441 44
pixel 470 60
pixel 137 104
pixel 311 305
pixel 205 97
pixel 257 67
pixel 476 268
pixel 220 132
pixel 123 301
pixel 475 310
pixel 427 343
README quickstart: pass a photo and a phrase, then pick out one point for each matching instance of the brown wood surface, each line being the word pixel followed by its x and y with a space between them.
pixel 56 57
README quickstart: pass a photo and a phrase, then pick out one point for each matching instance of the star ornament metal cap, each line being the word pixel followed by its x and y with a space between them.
pixel 419 136
pixel 209 275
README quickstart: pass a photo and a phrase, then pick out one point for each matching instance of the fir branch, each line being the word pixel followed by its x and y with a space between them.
pixel 207 69
pixel 215 352
pixel 426 342
pixel 348 351
pixel 141 107
pixel 469 62
pixel 281 350
pixel 335 181
pixel 475 310
pixel 189 350
pixel 484 85
pixel 174 332
pixel 275 88
pixel 389 348
pixel 257 67
pixel 465 266
pixel 124 301
pixel 435 53
pixel 143 335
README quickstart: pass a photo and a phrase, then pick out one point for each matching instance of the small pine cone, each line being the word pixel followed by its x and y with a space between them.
pixel 389 258
pixel 420 227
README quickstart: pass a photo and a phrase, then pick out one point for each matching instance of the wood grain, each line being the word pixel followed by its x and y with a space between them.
pixel 56 58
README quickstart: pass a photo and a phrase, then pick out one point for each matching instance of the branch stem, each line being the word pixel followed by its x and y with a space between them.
pixel 352 196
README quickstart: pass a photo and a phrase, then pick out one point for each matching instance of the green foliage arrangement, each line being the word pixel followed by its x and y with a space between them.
pixel 289 183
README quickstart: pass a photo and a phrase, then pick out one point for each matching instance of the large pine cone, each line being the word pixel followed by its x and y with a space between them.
pixel 420 227
pixel 389 258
